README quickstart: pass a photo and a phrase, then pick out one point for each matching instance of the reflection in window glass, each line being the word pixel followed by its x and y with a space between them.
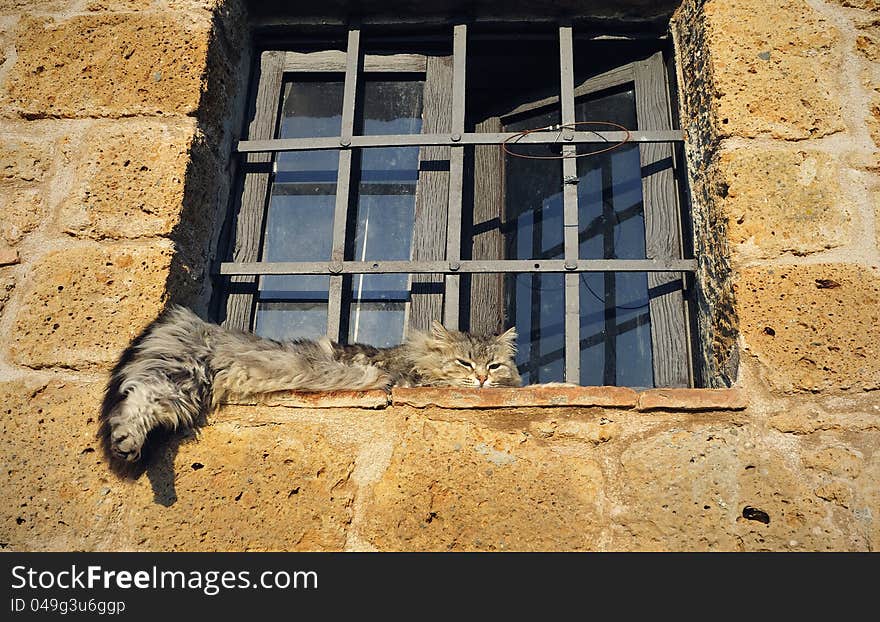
pixel 615 320
pixel 386 188
pixel 536 302
pixel 299 217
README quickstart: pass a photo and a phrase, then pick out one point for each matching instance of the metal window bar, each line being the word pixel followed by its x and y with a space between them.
pixel 569 207
pixel 457 266
pixel 456 176
pixel 343 183
pixel 456 139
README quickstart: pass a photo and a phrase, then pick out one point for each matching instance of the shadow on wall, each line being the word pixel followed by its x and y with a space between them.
pixel 206 193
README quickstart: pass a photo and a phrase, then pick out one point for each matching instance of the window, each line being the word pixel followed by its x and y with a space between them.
pixel 478 177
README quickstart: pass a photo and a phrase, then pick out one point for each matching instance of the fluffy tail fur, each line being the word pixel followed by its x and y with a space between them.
pixel 181 367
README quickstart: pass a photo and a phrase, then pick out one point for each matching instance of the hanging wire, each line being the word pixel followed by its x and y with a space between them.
pixel 512 140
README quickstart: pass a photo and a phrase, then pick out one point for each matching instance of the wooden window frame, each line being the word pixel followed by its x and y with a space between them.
pixel 437 235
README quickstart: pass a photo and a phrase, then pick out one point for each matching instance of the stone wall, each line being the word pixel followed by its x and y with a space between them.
pixel 116 120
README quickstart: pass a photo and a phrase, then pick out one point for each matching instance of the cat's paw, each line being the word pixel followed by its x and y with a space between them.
pixel 126 443
pixel 385 381
pixel 380 380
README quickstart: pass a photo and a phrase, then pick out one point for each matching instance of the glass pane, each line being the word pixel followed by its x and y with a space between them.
pixel 299 217
pixel 516 76
pixel 615 319
pixel 615 330
pixel 386 188
pixel 534 208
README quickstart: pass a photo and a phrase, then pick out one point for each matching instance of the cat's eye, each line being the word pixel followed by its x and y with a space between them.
pixel 464 363
pixel 493 366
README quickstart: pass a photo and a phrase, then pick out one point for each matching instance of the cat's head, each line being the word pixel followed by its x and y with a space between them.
pixel 448 358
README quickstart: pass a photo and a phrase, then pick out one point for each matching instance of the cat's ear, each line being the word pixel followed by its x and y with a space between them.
pixel 438 331
pixel 508 338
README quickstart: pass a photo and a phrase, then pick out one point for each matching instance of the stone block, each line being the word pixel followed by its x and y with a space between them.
pixel 23 211
pixel 783 200
pixel 723 488
pixel 875 198
pixel 120 5
pixel 774 69
pixel 82 306
pixel 58 494
pixel 7 285
pixel 129 181
pixel 815 327
pixel 107 65
pixel 808 419
pixel 23 160
pixel 147 5
pixel 835 460
pixel 462 486
pixel 29 7
pixel 868 40
pixel 240 487
pixel 866 5
pixel 244 487
pixel 873 113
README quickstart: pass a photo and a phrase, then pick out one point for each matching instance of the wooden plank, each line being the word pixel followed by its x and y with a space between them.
pixel 343 183
pixel 486 292
pixel 607 80
pixel 669 331
pixel 334 60
pixel 429 229
pixel 252 203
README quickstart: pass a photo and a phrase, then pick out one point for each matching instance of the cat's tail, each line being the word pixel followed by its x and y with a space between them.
pixel 245 365
pixel 162 380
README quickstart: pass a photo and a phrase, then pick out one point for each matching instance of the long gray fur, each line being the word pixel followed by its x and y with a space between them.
pixel 182 367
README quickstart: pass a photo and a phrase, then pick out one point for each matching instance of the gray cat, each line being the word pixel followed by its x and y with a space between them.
pixel 182 367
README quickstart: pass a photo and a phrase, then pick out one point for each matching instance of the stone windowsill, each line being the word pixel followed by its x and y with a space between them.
pixel 535 396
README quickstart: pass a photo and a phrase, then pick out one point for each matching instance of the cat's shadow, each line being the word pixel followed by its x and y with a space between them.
pixel 157 462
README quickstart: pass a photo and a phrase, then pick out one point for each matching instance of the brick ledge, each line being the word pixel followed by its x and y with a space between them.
pixel 532 396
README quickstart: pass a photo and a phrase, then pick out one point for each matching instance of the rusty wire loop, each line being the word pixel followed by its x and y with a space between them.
pixel 559 127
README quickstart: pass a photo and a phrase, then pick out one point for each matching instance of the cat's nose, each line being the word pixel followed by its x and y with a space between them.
pixel 482 378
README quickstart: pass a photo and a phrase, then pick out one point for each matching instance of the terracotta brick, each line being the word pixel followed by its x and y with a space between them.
pixel 421 397
pixel 692 399
pixel 8 256
pixel 329 399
